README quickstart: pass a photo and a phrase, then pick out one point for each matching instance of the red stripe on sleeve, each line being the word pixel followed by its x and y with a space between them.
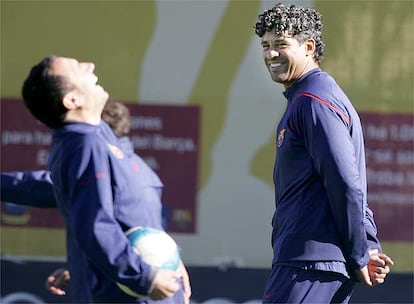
pixel 324 102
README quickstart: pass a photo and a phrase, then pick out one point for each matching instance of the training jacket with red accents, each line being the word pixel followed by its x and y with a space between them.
pixel 320 178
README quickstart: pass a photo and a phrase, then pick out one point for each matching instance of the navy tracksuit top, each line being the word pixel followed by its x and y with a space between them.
pixel 102 190
pixel 320 179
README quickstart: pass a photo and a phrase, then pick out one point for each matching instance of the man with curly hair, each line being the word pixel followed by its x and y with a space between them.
pixel 324 235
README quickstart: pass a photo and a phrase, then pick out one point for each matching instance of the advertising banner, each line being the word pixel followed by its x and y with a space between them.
pixel 167 137
pixel 389 148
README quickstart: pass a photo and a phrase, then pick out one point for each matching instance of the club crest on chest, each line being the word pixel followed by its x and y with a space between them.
pixel 280 138
pixel 116 151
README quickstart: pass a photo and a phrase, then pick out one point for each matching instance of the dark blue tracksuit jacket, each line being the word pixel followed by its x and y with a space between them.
pixel 321 215
pixel 35 189
pixel 102 190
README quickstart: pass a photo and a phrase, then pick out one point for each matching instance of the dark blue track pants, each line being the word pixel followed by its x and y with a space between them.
pixel 295 285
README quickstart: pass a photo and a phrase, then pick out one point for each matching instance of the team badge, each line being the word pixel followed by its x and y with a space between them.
pixel 280 138
pixel 116 151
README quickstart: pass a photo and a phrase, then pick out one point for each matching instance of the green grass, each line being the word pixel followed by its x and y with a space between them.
pixel 402 254
pixel 33 242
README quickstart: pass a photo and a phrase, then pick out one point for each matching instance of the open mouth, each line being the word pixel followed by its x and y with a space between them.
pixel 91 79
pixel 274 65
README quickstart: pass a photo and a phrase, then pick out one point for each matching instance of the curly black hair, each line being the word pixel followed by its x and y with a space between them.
pixel 301 23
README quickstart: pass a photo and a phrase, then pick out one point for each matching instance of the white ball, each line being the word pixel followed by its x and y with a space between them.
pixel 155 247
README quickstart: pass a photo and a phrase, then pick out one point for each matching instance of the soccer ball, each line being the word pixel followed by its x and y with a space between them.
pixel 155 247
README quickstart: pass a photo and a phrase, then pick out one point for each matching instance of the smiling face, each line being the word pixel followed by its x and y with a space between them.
pixel 286 58
pixel 86 94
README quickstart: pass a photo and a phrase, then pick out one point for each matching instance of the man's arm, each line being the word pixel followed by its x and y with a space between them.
pixel 31 188
pixel 330 145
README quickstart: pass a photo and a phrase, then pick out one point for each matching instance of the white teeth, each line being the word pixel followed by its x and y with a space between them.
pixel 92 79
pixel 275 65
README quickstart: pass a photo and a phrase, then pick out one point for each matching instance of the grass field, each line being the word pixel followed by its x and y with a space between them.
pixel 402 254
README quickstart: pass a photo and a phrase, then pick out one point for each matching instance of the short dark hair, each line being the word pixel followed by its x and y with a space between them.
pixel 43 93
pixel 301 23
pixel 117 116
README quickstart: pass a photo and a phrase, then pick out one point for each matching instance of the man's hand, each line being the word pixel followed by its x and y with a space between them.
pixel 186 282
pixel 363 276
pixel 378 266
pixel 377 269
pixel 164 284
pixel 57 281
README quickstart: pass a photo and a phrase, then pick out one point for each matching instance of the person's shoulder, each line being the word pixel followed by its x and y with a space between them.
pixel 78 137
pixel 84 139
pixel 87 148
pixel 320 87
pixel 320 81
pixel 76 130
